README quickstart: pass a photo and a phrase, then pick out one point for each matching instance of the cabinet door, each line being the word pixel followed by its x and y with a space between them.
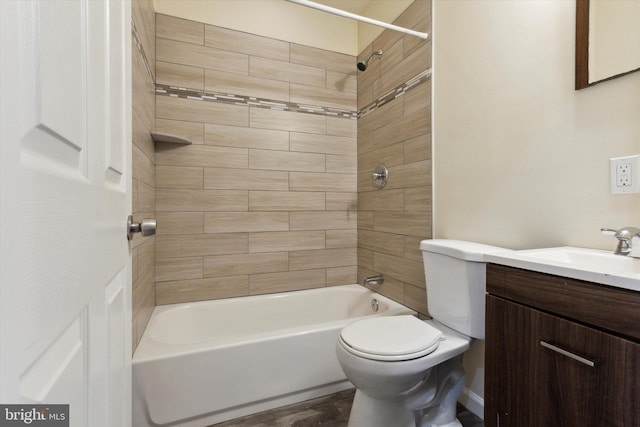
pixel 546 371
pixel 509 365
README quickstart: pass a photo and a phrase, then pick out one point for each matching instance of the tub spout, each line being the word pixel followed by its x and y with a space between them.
pixel 373 280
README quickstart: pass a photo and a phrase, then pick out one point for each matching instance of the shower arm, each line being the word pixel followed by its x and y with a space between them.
pixel 350 15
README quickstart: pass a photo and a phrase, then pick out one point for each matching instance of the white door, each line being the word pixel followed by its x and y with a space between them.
pixel 65 297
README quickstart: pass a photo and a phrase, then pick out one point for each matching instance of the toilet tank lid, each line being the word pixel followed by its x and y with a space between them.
pixel 469 251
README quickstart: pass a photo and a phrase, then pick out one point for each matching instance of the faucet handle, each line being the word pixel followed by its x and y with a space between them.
pixel 624 236
pixel 624 233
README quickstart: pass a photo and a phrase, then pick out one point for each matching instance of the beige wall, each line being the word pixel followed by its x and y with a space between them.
pixel 521 158
pixel 287 21
pixel 382 10
pixel 143 253
pixel 264 200
pixel 277 19
pixel 397 133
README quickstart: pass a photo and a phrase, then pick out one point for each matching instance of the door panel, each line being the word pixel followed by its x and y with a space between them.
pixel 53 132
pixel 119 351
pixel 65 187
pixel 118 119
pixel 64 358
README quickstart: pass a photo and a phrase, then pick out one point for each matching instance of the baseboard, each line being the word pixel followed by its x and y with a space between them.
pixel 472 402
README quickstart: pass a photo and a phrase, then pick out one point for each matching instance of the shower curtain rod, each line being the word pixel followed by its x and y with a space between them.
pixel 346 14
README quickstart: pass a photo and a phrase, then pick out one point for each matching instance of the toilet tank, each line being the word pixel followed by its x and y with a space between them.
pixel 455 273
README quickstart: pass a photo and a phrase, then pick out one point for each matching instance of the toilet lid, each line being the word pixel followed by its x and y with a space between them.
pixel 391 338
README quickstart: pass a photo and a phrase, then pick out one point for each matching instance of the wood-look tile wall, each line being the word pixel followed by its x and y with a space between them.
pixel 393 220
pixel 144 174
pixel 264 200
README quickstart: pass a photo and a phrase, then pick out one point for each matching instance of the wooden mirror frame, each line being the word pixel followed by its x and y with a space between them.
pixel 582 44
pixel 582 48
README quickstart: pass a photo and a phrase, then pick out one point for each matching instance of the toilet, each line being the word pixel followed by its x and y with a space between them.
pixel 408 372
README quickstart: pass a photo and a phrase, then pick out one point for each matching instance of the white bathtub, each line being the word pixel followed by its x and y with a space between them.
pixel 206 362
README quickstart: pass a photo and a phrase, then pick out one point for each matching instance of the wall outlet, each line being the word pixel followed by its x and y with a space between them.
pixel 624 175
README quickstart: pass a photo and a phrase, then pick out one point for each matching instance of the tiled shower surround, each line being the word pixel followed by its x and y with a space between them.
pixel 265 198
pixel 275 192
pixel 392 221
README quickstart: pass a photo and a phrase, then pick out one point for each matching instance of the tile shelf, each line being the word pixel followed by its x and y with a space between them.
pixel 167 137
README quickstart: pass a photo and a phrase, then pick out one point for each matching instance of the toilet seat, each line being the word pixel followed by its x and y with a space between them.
pixel 390 338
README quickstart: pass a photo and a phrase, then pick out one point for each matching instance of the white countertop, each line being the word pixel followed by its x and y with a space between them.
pixel 590 265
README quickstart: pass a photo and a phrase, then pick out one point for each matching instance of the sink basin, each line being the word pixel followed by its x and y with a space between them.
pixel 586 259
pixel 591 265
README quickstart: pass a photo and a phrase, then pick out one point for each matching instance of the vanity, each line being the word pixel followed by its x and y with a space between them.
pixel 562 339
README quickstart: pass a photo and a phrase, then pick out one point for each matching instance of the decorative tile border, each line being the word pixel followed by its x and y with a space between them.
pixel 136 38
pixel 396 92
pixel 180 92
pixel 253 102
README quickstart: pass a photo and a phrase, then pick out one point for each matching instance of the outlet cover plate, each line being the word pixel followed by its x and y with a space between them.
pixel 624 174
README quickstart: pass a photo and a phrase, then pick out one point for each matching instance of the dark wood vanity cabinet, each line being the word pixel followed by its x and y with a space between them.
pixel 560 352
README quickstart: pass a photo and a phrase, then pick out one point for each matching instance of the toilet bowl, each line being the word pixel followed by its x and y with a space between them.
pixel 408 372
pixel 395 388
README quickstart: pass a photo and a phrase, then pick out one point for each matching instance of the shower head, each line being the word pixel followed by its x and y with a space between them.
pixel 362 65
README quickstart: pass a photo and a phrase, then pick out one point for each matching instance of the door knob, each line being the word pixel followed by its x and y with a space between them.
pixel 147 227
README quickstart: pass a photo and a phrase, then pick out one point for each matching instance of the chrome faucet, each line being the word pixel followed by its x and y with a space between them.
pixel 624 236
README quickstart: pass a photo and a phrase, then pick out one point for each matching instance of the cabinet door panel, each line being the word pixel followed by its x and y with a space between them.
pixel 494 360
pixel 510 367
pixel 571 393
pixel 533 385
pixel 567 389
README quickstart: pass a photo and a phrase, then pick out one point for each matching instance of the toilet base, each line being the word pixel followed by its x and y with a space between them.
pixel 442 412
pixel 377 413
pixel 371 412
pixel 409 411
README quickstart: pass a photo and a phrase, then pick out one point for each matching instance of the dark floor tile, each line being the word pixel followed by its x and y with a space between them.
pixel 468 418
pixel 326 411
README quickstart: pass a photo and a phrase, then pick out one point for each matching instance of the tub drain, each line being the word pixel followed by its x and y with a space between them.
pixel 374 304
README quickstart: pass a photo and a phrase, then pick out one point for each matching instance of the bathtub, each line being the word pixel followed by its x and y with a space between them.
pixel 202 363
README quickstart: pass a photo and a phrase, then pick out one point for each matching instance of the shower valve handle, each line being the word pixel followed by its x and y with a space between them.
pixel 380 176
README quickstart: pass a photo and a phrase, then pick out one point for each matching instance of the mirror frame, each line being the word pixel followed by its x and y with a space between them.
pixel 582 48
